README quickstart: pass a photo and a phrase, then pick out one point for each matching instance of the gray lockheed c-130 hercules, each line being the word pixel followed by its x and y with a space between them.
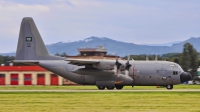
pixel 108 74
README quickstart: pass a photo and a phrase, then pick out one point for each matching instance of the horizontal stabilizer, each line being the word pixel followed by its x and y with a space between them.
pixel 25 61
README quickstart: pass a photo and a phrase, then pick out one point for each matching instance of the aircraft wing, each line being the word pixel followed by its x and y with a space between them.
pixel 81 62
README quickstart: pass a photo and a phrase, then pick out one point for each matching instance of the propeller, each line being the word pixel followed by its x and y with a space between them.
pixel 117 67
pixel 127 66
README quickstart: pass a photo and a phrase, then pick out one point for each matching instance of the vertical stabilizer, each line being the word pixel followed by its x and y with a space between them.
pixel 30 44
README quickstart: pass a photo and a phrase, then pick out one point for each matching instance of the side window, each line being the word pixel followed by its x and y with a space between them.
pixel 175 73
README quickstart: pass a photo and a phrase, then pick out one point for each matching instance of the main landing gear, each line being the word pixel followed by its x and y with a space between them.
pixel 118 87
pixel 169 87
pixel 101 87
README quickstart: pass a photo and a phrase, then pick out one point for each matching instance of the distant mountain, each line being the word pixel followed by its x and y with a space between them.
pixel 8 54
pixel 112 46
pixel 179 46
pixel 164 44
pixel 117 47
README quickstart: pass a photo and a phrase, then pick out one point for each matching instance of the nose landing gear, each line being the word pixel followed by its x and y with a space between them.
pixel 169 87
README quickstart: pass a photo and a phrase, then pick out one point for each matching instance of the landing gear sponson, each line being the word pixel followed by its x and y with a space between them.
pixel 118 87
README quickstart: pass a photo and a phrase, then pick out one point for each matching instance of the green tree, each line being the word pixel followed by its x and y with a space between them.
pixel 57 54
pixel 176 60
pixel 63 54
pixel 189 59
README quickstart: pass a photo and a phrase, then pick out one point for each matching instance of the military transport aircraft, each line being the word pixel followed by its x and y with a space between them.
pixel 103 73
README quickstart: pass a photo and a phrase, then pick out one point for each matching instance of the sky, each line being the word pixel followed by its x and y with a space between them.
pixel 133 21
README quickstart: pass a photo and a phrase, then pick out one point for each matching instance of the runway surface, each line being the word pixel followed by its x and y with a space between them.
pixel 176 90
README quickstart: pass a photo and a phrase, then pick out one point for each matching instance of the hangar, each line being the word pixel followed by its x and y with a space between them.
pixel 29 75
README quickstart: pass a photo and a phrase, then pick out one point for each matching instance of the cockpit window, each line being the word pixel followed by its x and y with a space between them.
pixel 175 73
pixel 178 66
pixel 174 65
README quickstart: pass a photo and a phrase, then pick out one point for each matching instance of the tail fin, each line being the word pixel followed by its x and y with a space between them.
pixel 30 44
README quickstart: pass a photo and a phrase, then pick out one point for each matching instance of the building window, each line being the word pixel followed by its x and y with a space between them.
pixel 2 75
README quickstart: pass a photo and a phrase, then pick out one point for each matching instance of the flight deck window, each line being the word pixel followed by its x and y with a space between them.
pixel 175 73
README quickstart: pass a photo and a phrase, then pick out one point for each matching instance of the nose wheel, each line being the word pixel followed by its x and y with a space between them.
pixel 169 87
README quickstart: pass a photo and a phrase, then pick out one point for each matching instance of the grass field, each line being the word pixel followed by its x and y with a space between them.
pixel 91 87
pixel 100 102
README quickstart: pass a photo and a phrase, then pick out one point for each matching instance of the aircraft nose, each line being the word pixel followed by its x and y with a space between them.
pixel 185 76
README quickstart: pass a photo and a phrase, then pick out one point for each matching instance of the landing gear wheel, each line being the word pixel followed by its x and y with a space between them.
pixel 119 87
pixel 101 87
pixel 110 87
pixel 169 87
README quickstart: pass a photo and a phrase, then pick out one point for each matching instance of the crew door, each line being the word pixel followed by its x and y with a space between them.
pixel 162 74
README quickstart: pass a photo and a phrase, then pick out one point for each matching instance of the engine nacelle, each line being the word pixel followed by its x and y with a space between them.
pixel 105 65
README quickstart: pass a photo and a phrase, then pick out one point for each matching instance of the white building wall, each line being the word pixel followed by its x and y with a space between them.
pixel 47 78
pixel 34 78
pixel 20 78
pixel 7 78
pixel 60 80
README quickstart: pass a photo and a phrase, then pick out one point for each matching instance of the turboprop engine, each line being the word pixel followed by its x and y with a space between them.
pixel 121 67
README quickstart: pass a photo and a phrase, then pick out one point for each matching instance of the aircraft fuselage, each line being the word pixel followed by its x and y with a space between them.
pixel 149 73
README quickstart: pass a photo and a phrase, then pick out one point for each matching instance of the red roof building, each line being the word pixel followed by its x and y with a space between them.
pixel 29 75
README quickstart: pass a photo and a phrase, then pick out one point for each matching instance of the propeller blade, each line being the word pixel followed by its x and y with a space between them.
pixel 118 64
pixel 127 65
pixel 117 67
